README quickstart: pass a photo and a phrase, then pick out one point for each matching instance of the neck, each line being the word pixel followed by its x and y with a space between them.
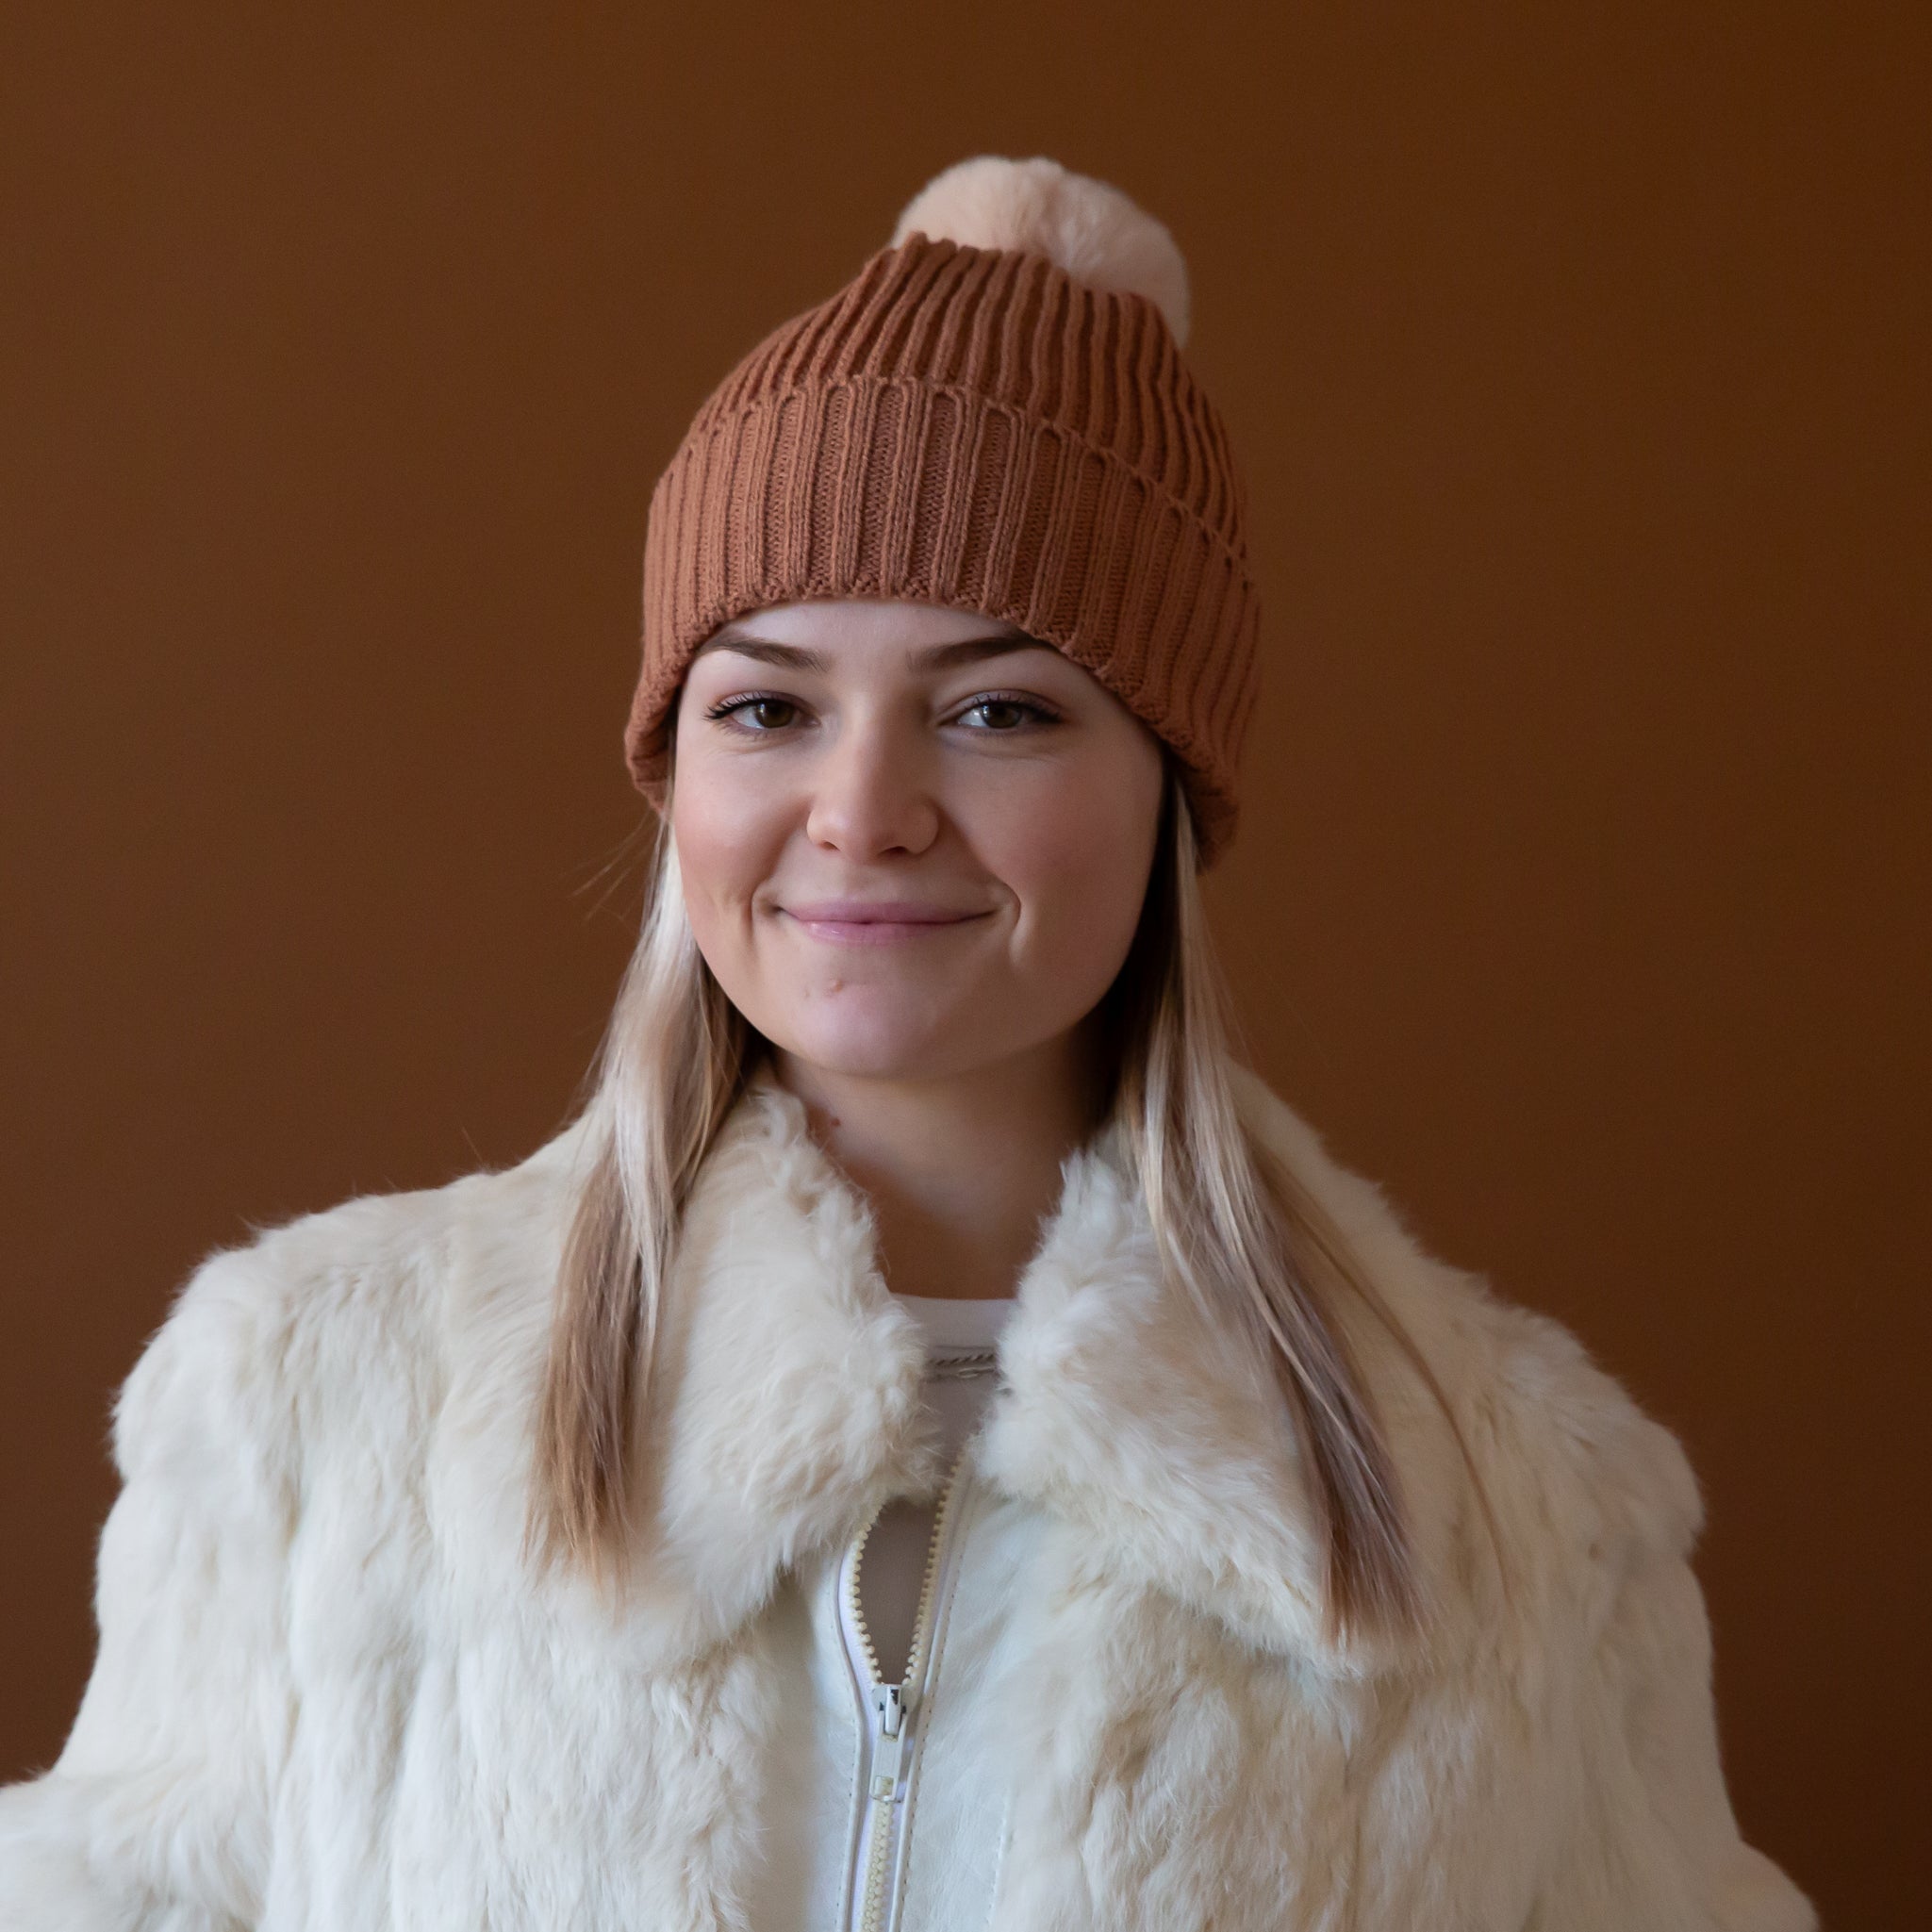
pixel 962 1169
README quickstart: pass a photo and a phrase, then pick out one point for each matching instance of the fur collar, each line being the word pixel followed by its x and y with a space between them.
pixel 787 1397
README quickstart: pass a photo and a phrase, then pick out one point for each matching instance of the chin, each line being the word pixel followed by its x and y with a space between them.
pixel 879 1047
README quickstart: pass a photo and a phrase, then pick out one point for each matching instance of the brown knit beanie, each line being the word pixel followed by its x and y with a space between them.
pixel 993 415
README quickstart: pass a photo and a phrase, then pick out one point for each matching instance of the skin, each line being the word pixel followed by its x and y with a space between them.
pixel 838 750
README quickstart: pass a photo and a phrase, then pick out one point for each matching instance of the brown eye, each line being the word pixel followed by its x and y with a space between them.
pixel 1001 715
pixel 755 713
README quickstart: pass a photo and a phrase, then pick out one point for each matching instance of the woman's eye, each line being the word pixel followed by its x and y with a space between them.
pixel 1008 714
pixel 755 713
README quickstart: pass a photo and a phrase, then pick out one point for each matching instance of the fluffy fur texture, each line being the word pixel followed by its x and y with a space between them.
pixel 1088 227
pixel 329 1694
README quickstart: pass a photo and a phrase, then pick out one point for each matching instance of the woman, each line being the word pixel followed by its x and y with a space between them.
pixel 937 1444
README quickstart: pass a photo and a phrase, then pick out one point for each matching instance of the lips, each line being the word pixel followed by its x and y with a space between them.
pixel 876 921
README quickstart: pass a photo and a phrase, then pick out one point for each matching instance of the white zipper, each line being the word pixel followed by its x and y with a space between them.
pixel 891 1718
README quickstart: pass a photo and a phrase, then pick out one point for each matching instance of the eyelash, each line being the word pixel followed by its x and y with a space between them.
pixel 723 711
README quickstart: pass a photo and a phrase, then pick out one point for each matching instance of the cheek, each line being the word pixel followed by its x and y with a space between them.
pixel 727 836
pixel 1079 863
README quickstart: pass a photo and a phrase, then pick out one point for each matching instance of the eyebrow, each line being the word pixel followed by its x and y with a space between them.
pixel 933 657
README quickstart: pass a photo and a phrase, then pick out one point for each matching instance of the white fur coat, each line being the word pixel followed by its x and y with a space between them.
pixel 328 1697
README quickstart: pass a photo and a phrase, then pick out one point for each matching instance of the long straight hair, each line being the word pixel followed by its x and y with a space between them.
pixel 1233 1223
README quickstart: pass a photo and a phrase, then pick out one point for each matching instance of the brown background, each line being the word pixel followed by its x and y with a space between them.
pixel 1579 368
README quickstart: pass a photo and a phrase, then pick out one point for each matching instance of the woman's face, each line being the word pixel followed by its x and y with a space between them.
pixel 914 842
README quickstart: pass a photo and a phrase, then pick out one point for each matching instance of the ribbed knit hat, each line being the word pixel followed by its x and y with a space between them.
pixel 992 415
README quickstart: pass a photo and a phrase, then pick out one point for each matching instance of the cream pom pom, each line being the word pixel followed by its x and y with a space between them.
pixel 1091 229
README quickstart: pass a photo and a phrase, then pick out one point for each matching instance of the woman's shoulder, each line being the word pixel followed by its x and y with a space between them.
pixel 1583 1482
pixel 338 1313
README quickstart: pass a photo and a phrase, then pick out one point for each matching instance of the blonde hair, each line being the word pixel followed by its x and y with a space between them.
pixel 1234 1225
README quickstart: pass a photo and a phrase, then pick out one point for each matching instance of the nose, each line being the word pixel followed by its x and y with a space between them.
pixel 871 794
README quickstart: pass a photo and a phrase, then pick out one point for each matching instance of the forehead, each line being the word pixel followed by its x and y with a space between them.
pixel 881 620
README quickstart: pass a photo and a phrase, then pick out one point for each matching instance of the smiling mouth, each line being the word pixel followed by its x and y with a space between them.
pixel 885 925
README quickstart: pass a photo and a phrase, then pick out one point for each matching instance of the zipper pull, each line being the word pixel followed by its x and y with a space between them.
pixel 889 1706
